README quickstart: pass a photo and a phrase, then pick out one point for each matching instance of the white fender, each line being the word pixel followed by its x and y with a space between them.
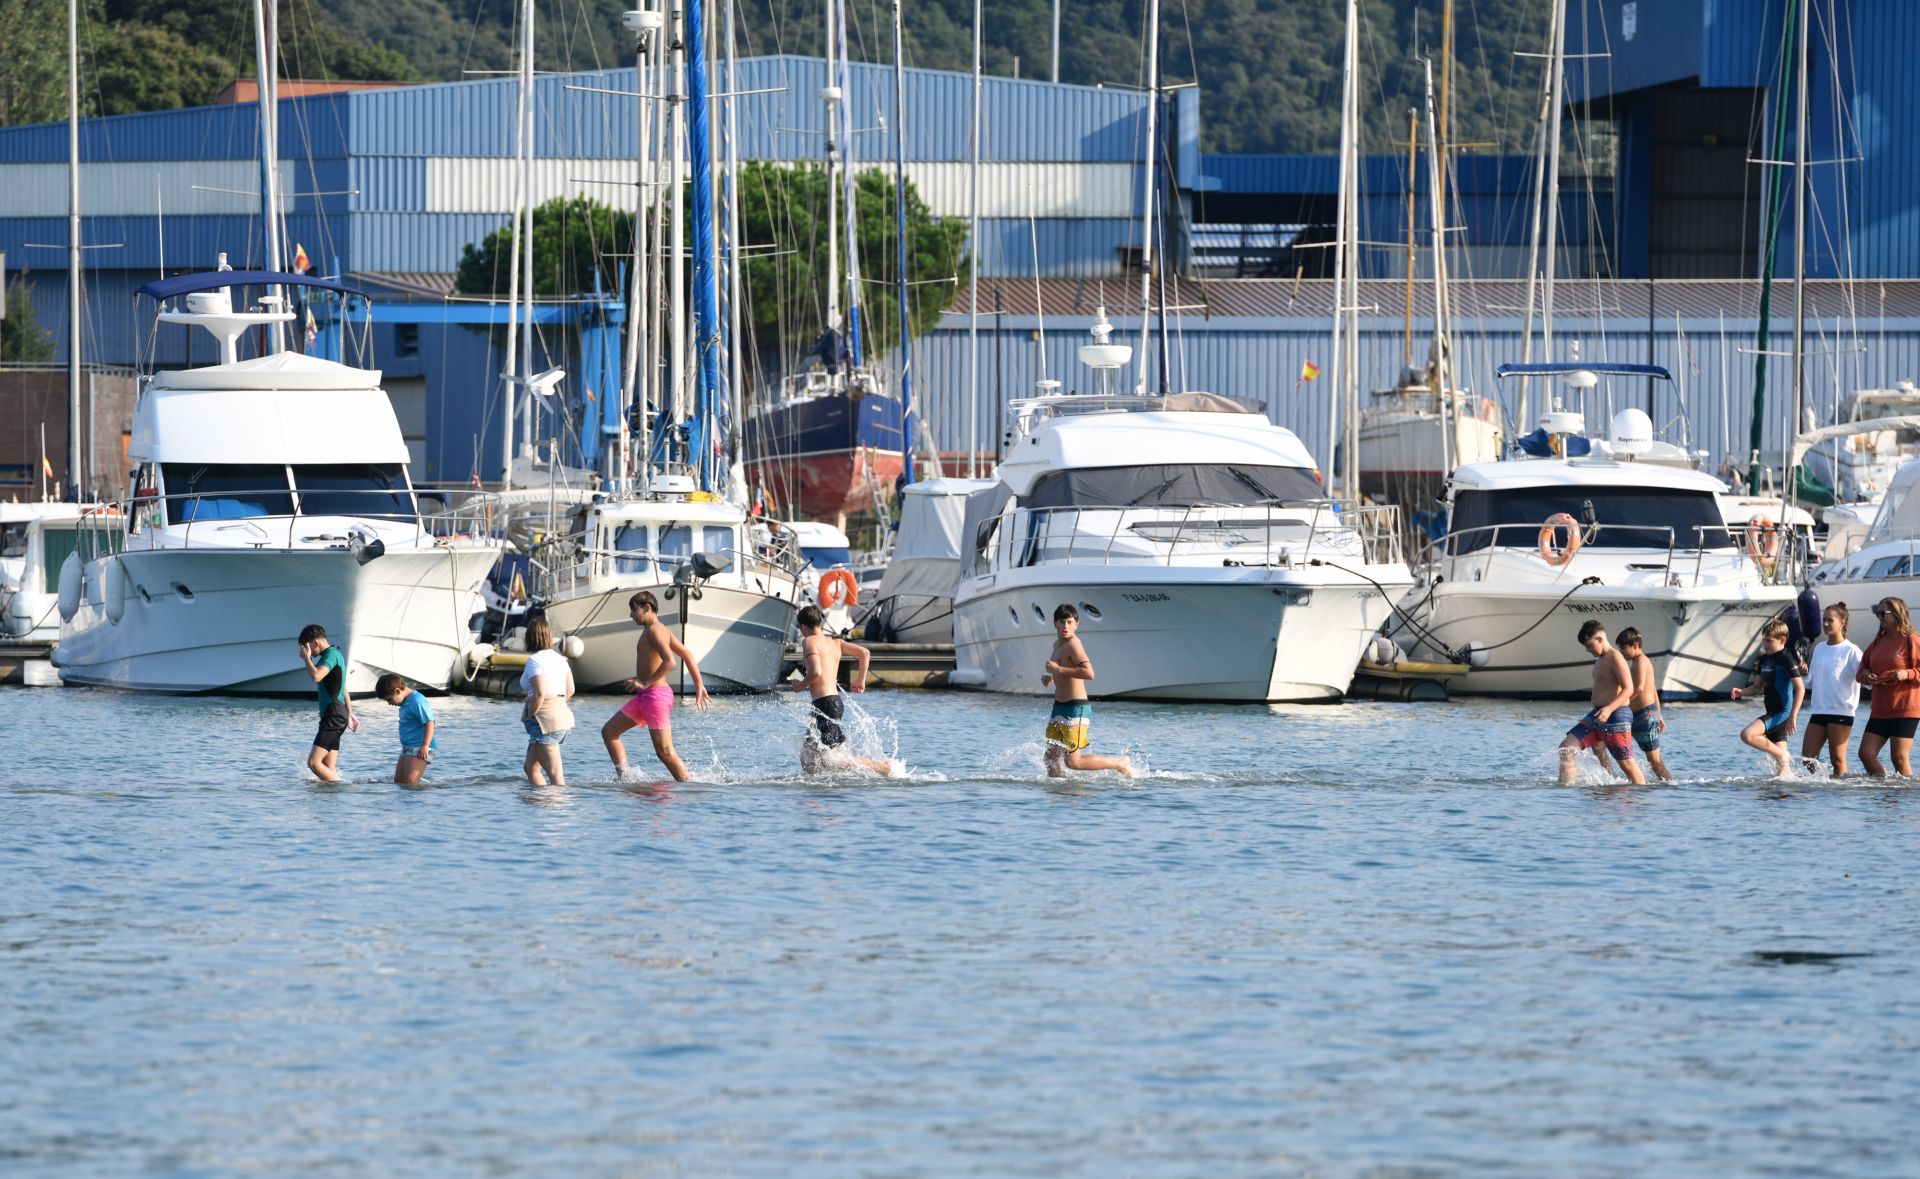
pixel 70 587
pixel 117 579
pixel 572 647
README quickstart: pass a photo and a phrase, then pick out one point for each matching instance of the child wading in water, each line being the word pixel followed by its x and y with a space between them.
pixel 1610 722
pixel 1833 693
pixel 1777 675
pixel 1648 724
pixel 1068 672
pixel 416 728
pixel 327 664
pixel 820 656
pixel 652 704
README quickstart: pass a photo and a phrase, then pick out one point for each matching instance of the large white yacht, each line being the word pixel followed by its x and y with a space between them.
pixel 1539 546
pixel 1195 539
pixel 726 589
pixel 1860 464
pixel 268 493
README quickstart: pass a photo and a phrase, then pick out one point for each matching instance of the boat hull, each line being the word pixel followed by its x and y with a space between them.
pixel 232 630
pixel 1261 638
pixel 825 456
pixel 1405 456
pixel 1701 644
pixel 736 636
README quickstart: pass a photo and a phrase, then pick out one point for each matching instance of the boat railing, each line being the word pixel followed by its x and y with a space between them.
pixel 106 528
pixel 1267 533
pixel 1779 554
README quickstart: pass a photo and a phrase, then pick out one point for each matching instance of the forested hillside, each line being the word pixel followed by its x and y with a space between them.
pixel 1268 70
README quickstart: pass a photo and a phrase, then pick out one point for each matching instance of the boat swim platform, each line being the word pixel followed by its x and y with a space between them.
pixel 1406 680
pixel 14 657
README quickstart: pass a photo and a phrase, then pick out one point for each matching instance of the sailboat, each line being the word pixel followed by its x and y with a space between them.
pixel 725 585
pixel 1412 434
pixel 833 438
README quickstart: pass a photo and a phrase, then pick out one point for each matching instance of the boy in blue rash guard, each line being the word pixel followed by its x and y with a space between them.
pixel 327 664
pixel 416 728
pixel 1777 676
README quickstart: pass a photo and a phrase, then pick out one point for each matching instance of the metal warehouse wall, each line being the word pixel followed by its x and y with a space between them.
pixel 1707 405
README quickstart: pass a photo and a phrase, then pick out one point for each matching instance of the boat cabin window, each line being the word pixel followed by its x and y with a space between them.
pixel 631 538
pixel 56 542
pixel 225 491
pixel 355 489
pixel 715 538
pixel 827 556
pixel 1173 485
pixel 13 540
pixel 676 544
pixel 1629 517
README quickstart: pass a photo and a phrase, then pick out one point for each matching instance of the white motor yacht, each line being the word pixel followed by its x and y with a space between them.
pixel 1194 538
pixel 269 493
pixel 1539 546
pixel 729 599
pixel 1887 562
pixel 35 539
pixel 1860 464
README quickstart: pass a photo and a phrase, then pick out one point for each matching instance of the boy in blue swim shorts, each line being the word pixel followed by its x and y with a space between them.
pixel 1783 688
pixel 1610 723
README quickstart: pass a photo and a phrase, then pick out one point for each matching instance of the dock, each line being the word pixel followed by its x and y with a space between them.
pixel 1405 680
pixel 14 657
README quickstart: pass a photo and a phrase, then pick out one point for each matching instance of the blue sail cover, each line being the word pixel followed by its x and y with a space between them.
pixel 1558 369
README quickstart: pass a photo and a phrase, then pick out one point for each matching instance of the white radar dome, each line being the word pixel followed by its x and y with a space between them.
pixel 1632 432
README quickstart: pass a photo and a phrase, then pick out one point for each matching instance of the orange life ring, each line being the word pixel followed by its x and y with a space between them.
pixel 1763 538
pixel 849 589
pixel 1552 553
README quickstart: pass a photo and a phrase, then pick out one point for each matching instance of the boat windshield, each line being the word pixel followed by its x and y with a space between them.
pixel 225 491
pixel 354 489
pixel 1628 517
pixel 1173 485
pixel 827 556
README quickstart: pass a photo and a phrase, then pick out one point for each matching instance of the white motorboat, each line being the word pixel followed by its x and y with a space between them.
pixel 728 598
pixel 1887 562
pixel 914 602
pixel 35 539
pixel 1194 538
pixel 1860 464
pixel 268 493
pixel 1537 547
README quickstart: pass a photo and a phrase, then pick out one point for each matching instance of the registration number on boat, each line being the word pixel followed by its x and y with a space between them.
pixel 1600 607
pixel 1147 597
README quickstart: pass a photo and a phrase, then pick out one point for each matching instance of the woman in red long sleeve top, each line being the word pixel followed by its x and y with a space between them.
pixel 1891 667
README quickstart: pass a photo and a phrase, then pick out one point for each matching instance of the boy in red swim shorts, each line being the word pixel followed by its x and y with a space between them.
pixel 652 704
pixel 1610 723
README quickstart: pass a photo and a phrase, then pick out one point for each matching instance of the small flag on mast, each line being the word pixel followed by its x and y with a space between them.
pixel 1309 370
pixel 301 264
pixel 46 466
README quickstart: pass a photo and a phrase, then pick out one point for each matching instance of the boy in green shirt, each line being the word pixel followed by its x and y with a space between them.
pixel 327 665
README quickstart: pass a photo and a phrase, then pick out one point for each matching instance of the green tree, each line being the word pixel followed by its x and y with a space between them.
pixel 33 62
pixel 20 335
pixel 572 241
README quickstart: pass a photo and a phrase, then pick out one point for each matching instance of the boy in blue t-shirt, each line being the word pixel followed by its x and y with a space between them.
pixel 416 728
pixel 327 664
pixel 1784 687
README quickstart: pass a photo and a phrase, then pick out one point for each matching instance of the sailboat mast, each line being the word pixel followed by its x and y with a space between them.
pixel 1343 230
pixel 900 233
pixel 74 327
pixel 522 120
pixel 706 295
pixel 637 334
pixel 1442 313
pixel 1556 80
pixel 831 93
pixel 973 265
pixel 266 54
pixel 856 352
pixel 1795 407
pixel 1147 187
pixel 735 359
pixel 1757 427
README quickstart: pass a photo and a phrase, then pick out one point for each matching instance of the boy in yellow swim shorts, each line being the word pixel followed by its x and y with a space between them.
pixel 1068 673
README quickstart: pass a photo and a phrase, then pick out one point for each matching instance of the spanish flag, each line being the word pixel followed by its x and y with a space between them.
pixel 301 264
pixel 46 466
pixel 1309 370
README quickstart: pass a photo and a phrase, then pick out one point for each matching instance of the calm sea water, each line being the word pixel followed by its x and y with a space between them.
pixel 1371 939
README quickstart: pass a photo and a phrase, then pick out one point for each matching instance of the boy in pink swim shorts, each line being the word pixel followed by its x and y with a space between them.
pixel 652 703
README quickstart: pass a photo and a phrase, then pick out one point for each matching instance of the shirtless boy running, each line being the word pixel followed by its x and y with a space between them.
pixel 652 704
pixel 1648 723
pixel 1068 672
pixel 1611 721
pixel 820 655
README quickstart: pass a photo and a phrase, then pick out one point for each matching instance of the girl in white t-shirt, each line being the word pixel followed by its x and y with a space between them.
pixel 1833 694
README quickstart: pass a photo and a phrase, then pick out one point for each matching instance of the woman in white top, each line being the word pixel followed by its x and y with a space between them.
pixel 548 680
pixel 1833 693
